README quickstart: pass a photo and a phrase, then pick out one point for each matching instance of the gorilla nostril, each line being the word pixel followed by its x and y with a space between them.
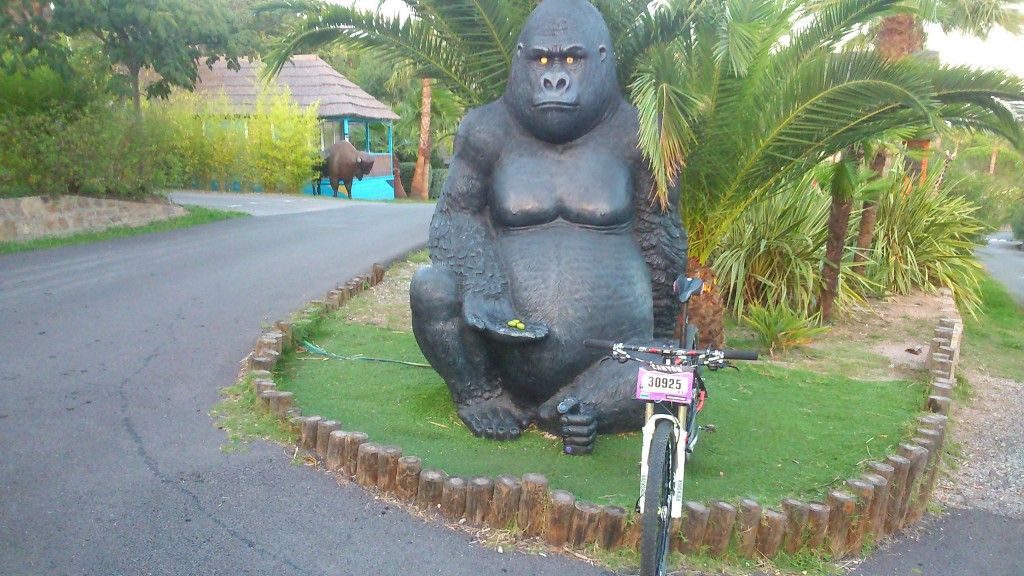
pixel 562 83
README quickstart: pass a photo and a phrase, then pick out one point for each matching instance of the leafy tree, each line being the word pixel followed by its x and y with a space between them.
pixel 166 37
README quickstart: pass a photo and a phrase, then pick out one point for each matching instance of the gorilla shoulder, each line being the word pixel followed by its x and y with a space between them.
pixel 481 134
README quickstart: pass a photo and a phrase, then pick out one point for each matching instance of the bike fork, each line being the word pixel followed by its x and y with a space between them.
pixel 679 446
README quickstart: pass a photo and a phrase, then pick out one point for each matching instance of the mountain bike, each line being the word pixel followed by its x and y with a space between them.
pixel 668 376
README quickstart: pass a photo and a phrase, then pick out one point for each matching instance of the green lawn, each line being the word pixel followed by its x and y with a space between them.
pixel 781 432
pixel 994 340
pixel 197 215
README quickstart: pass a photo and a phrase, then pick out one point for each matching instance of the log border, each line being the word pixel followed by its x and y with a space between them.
pixel 850 520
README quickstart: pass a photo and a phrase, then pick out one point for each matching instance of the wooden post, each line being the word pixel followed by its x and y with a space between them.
pixel 281 402
pixel 631 539
pixel 431 487
pixel 941 389
pixel 376 274
pixel 861 523
pixel 559 517
pixel 407 481
pixel 879 498
pixel 262 384
pixel 261 362
pixel 920 497
pixel 720 521
pixel 842 506
pixel 387 468
pixel 335 450
pixel 352 443
pixel 901 467
pixel 880 504
pixel 286 329
pixel 770 533
pixel 478 499
pixel 265 399
pixel 308 434
pixel 453 498
pixel 533 504
pixel 505 503
pixel 747 522
pixel 817 525
pixel 323 435
pixel 917 456
pixel 938 404
pixel 694 525
pixel 366 469
pixel 796 524
pixel 611 527
pixel 584 524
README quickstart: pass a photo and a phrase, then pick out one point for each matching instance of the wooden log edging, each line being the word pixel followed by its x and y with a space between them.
pixel 891 494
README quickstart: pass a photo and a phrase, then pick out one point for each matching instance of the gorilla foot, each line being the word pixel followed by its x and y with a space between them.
pixel 496 419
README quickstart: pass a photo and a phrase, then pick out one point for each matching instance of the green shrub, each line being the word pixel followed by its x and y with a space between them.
pixel 280 149
pixel 924 239
pixel 407 169
pixel 1017 221
pixel 779 327
pixel 773 252
pixel 437 177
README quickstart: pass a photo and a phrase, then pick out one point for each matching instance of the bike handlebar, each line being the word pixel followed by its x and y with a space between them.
pixel 608 345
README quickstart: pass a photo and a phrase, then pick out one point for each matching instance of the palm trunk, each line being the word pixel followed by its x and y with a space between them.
pixel 868 216
pixel 838 224
pixel 707 310
pixel 420 188
pixel 992 162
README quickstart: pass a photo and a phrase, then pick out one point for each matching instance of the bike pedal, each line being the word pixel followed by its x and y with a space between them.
pixel 709 427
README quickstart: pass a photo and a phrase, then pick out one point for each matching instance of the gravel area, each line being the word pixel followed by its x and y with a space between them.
pixel 989 471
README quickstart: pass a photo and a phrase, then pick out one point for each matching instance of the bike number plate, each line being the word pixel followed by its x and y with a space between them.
pixel 675 387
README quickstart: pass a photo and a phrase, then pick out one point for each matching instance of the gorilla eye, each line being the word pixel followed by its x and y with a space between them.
pixel 569 59
pixel 544 60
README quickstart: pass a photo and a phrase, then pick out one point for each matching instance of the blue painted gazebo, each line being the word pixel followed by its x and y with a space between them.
pixel 345 110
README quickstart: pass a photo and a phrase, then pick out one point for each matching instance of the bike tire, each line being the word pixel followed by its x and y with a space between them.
pixel 655 531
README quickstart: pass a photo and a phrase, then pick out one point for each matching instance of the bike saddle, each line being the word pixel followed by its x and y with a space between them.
pixel 684 287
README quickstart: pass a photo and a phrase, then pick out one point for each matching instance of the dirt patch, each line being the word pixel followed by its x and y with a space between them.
pixel 887 339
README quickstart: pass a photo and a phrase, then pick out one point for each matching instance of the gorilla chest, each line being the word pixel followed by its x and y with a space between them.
pixel 586 187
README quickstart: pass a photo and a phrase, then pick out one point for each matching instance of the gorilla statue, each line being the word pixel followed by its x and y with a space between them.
pixel 546 233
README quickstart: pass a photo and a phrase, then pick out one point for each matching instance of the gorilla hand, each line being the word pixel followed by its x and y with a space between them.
pixel 579 426
pixel 494 316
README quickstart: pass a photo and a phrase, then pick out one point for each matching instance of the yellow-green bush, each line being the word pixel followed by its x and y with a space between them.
pixel 280 147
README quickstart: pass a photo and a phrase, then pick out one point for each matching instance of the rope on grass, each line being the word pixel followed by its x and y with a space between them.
pixel 314 349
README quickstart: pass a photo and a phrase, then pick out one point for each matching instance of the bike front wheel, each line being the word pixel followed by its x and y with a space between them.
pixel 657 518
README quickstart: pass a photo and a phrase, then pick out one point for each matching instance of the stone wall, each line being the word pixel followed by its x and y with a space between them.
pixel 44 216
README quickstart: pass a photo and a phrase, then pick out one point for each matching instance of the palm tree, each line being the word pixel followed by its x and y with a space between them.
pixel 900 36
pixel 740 103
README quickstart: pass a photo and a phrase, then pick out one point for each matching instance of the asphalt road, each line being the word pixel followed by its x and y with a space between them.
pixel 111 357
pixel 1004 261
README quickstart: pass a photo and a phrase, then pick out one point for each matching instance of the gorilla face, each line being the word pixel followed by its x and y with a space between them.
pixel 563 81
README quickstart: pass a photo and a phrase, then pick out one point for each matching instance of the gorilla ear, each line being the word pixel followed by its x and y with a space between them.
pixel 603 51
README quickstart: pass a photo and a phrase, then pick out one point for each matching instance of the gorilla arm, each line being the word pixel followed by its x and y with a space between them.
pixel 663 241
pixel 462 237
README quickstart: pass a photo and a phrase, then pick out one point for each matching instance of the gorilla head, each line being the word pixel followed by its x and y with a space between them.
pixel 563 81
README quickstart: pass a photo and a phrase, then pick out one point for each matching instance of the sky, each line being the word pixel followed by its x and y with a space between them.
pixel 1000 50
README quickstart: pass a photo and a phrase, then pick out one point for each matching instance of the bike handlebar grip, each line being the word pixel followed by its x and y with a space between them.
pixel 602 344
pixel 739 354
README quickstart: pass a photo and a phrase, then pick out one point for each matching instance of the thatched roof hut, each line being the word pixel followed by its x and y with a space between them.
pixel 307 76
